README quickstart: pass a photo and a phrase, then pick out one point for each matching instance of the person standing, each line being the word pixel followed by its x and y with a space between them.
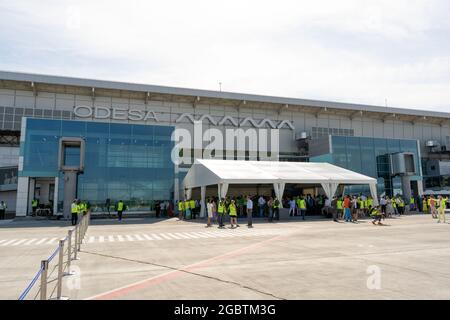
pixel 221 212
pixel 291 207
pixel 424 205
pixel 441 209
pixel 193 207
pixel 108 206
pixel 74 212
pixel 412 204
pixel 34 205
pixel 261 204
pixel 276 209
pixel 302 207
pixel 180 210
pixel 120 207
pixel 214 209
pixel 347 205
pixel 270 208
pixel 3 208
pixel 339 208
pixel 158 209
pixel 233 214
pixel 187 210
pixel 209 207
pixel 433 205
pixel 249 212
pixel 383 204
pixel 334 211
pixel 354 209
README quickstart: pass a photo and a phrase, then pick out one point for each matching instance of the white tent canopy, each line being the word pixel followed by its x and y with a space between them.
pixel 205 172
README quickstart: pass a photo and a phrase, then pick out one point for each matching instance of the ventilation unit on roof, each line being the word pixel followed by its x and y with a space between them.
pixel 432 143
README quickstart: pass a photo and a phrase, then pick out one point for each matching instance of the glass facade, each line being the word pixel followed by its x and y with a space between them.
pixel 122 161
pixel 369 156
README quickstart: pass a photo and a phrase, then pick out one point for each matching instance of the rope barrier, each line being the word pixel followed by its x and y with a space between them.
pixel 65 264
pixel 36 277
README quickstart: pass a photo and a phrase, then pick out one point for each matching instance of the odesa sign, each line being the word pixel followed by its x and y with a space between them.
pixel 115 113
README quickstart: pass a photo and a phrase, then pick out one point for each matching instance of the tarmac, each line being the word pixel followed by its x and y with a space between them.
pixel 146 258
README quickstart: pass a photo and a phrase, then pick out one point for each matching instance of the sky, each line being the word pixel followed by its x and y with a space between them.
pixel 359 51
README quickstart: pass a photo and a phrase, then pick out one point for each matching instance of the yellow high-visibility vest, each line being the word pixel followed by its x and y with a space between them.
pixel 221 207
pixel 180 206
pixel 339 204
pixel 232 208
pixel 74 208
pixel 302 204
pixel 192 204
pixel 186 205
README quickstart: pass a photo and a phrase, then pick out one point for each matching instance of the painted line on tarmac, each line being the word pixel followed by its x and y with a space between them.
pixel 19 242
pixel 8 242
pixel 122 291
pixel 199 235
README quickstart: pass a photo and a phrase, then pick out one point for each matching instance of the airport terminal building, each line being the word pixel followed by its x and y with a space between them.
pixel 126 136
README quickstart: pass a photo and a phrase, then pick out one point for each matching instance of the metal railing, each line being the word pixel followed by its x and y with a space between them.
pixel 66 254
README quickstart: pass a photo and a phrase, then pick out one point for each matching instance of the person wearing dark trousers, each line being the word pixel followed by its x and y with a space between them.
pixel 34 205
pixel 158 209
pixel 249 212
pixel 3 207
pixel 120 208
pixel 276 209
pixel 74 212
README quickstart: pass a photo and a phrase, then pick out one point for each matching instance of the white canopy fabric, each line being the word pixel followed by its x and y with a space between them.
pixel 205 172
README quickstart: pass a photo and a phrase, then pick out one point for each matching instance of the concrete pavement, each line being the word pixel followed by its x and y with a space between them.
pixel 409 258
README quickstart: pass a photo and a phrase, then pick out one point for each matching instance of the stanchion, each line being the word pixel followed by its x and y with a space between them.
pixel 69 250
pixel 44 266
pixel 76 243
pixel 60 269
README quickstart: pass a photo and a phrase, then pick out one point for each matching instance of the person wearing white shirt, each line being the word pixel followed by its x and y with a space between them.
pixel 292 206
pixel 261 203
pixel 210 209
pixel 249 212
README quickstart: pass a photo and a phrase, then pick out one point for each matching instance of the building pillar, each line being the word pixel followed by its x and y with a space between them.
pixel 55 196
pixel 70 191
pixel 22 196
pixel 420 187
pixel 406 187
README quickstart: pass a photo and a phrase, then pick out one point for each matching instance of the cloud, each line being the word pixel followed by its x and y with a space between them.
pixel 353 51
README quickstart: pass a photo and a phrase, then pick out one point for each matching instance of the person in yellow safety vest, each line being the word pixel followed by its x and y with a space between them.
pixel 221 213
pixel 34 205
pixel 394 205
pixel 120 208
pixel 425 205
pixel 74 212
pixel 375 213
pixel 429 204
pixel 233 214
pixel 441 209
pixel 302 207
pixel 369 203
pixel 297 202
pixel 83 208
pixel 401 206
pixel 276 209
pixel 412 204
pixel 193 208
pixel 361 207
pixel 187 210
pixel 180 209
pixel 339 208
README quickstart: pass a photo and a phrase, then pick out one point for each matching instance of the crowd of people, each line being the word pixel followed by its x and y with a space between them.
pixel 349 208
